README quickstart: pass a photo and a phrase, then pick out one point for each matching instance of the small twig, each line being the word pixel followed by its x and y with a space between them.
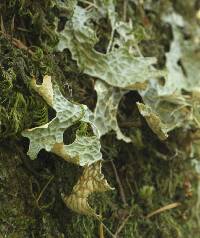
pixel 122 225
pixel 2 25
pixel 109 232
pixel 12 28
pixel 17 43
pixel 165 208
pixel 33 236
pixel 130 188
pixel 101 231
pixel 91 4
pixel 197 207
pixel 121 190
pixel 111 41
pixel 31 182
pixel 44 188
pixel 125 10
pixel 106 228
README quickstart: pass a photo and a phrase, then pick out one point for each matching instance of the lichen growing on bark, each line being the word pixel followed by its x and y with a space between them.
pixel 149 175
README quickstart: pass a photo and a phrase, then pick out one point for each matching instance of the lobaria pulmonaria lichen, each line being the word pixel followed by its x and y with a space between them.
pixel 102 90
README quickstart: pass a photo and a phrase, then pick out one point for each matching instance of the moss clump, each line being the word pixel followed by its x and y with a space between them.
pixel 19 105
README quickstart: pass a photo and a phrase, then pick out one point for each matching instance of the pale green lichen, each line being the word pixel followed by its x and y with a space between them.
pixel 175 102
pixel 67 114
pixel 153 121
pixel 84 151
pixel 171 110
pixel 119 68
pixel 182 60
pixel 105 114
pixel 145 187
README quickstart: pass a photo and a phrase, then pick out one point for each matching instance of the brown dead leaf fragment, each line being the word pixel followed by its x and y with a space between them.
pixel 92 180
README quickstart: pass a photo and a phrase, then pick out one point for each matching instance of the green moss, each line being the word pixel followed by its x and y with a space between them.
pixel 20 107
